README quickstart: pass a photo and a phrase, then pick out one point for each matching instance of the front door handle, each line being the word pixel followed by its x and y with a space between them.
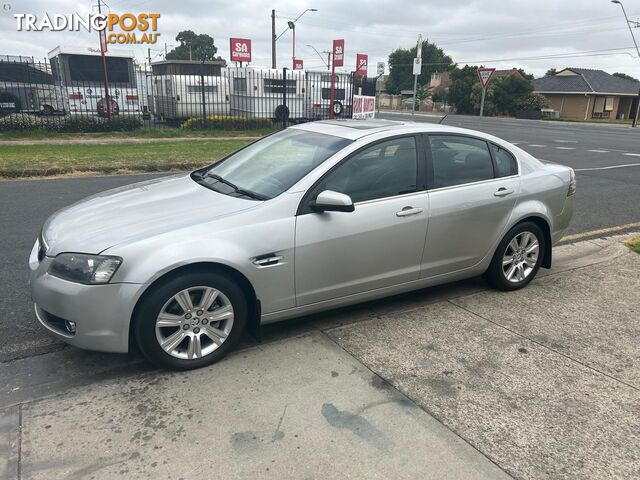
pixel 503 192
pixel 406 211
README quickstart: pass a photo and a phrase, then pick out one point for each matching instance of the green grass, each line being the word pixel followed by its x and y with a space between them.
pixel 37 134
pixel 634 244
pixel 58 159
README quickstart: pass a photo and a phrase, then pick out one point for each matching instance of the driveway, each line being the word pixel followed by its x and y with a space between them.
pixel 452 382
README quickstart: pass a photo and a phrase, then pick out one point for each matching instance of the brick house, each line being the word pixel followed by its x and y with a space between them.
pixel 584 94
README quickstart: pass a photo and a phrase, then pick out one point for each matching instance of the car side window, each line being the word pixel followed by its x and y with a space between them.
pixel 384 170
pixel 458 159
pixel 506 164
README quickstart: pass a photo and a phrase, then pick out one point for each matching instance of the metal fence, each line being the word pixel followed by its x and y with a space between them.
pixel 72 95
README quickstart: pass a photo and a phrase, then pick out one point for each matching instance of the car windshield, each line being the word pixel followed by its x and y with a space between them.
pixel 272 165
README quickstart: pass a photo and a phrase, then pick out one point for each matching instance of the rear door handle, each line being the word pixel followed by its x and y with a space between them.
pixel 406 211
pixel 503 192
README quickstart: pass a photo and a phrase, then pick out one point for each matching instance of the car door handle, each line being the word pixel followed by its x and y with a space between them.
pixel 406 211
pixel 503 192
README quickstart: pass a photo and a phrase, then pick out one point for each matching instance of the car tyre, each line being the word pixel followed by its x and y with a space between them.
pixel 337 108
pixel 518 257
pixel 163 313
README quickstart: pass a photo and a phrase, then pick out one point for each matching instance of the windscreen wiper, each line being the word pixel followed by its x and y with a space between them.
pixel 241 191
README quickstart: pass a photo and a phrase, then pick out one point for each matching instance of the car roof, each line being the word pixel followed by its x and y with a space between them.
pixel 355 129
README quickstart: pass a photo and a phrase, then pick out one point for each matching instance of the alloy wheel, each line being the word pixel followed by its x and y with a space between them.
pixel 520 257
pixel 194 322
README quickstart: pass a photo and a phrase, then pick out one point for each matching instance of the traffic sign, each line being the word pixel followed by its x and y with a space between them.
pixel 298 64
pixel 485 75
pixel 380 69
pixel 417 65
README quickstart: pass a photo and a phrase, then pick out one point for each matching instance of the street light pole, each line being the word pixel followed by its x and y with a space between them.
pixel 290 26
pixel 273 39
pixel 635 120
pixel 328 62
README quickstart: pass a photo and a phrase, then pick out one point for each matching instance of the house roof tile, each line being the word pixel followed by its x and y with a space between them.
pixel 586 80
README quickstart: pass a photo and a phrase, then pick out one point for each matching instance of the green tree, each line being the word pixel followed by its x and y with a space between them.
pixel 202 47
pixel 551 71
pixel 625 76
pixel 439 96
pixel 533 101
pixel 526 75
pixel 462 83
pixel 401 66
pixel 422 94
pixel 508 93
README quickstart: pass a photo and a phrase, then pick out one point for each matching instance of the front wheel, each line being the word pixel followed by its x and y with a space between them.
pixel 192 321
pixel 518 257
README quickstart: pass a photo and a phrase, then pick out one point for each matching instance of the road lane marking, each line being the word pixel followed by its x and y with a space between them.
pixel 601 231
pixel 632 154
pixel 565 148
pixel 566 141
pixel 607 167
pixel 536 145
pixel 598 151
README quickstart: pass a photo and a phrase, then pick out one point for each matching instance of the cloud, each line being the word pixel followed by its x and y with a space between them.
pixel 496 33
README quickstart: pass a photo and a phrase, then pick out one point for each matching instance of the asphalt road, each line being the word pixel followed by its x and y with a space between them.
pixel 605 198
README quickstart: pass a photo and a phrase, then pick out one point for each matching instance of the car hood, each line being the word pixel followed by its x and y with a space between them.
pixel 134 212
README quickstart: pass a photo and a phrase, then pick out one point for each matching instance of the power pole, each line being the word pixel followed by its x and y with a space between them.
pixel 151 86
pixel 103 48
pixel 328 60
pixel 635 119
pixel 273 39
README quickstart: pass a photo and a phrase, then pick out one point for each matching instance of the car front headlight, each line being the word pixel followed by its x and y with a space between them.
pixel 82 268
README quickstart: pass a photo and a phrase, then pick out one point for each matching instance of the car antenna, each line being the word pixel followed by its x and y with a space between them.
pixel 442 119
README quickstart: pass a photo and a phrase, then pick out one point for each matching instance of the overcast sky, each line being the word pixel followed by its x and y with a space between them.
pixel 496 33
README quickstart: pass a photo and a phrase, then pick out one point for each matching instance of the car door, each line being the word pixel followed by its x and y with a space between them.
pixel 473 187
pixel 377 245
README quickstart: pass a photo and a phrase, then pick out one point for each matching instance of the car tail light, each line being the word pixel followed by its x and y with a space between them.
pixel 132 97
pixel 75 96
pixel 572 183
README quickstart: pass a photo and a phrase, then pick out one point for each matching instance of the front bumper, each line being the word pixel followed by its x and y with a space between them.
pixel 102 313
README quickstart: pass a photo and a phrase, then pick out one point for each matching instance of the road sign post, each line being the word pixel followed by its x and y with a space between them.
pixel 338 61
pixel 484 75
pixel 380 72
pixel 417 68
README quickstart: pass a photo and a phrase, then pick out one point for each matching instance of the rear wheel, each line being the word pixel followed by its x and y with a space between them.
pixel 518 257
pixel 337 108
pixel 192 321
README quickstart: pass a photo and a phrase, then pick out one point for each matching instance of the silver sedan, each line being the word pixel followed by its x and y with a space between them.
pixel 314 217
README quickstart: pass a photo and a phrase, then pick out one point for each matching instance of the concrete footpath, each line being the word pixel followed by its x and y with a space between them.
pixel 452 382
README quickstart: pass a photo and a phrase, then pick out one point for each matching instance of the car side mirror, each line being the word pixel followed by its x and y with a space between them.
pixel 330 201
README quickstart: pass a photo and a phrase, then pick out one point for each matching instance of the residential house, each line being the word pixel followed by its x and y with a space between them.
pixel 440 82
pixel 513 72
pixel 583 94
